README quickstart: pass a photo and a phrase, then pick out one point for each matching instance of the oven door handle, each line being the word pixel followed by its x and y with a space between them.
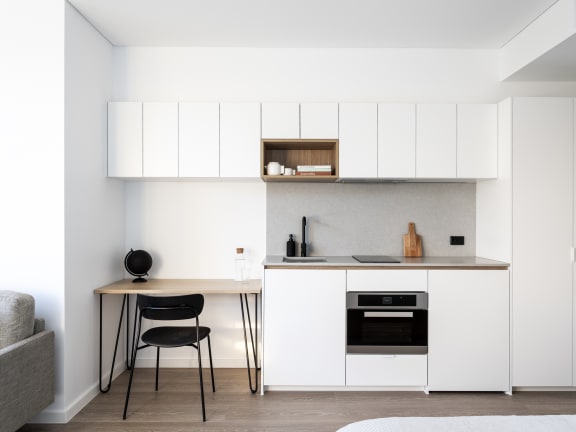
pixel 388 314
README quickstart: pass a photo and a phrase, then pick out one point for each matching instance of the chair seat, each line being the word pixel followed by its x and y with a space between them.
pixel 171 337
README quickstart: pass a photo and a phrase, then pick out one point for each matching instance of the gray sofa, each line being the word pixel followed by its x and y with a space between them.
pixel 26 361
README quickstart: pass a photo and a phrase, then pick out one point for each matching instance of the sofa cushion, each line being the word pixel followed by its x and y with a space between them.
pixel 16 317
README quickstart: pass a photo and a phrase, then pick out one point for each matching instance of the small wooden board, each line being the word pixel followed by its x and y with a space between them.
pixel 412 242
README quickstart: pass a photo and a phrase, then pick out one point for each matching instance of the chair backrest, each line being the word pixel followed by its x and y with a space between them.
pixel 170 308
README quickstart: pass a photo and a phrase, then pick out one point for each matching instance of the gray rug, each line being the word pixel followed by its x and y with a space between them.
pixel 548 423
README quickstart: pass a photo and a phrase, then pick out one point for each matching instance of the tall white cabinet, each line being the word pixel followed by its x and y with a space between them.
pixel 542 240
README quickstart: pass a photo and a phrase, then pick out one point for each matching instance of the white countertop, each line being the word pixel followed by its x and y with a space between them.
pixel 276 261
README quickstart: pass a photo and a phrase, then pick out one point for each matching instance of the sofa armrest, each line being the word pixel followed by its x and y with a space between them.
pixel 27 370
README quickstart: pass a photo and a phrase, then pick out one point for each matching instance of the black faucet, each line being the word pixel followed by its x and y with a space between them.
pixel 303 245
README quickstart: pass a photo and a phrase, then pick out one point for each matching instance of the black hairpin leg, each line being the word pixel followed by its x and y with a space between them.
pixel 124 304
pixel 253 339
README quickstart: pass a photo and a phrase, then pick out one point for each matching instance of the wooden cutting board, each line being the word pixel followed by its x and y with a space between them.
pixel 412 242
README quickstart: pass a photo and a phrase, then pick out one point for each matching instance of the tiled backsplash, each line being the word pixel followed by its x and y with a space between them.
pixel 352 218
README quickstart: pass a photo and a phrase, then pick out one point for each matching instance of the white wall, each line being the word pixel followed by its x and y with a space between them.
pixel 221 74
pixel 32 160
pixel 94 214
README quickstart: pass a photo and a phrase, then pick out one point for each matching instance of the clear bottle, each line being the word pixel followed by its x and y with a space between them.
pixel 241 266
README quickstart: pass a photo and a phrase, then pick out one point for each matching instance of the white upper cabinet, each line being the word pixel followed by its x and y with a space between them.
pixel 281 120
pixel 318 120
pixel 160 139
pixel 240 139
pixel 477 146
pixel 358 145
pixel 124 139
pixel 436 141
pixel 396 140
pixel 199 139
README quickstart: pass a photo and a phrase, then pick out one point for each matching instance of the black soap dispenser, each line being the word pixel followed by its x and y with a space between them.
pixel 291 247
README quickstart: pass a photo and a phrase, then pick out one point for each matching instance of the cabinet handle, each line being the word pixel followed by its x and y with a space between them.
pixel 370 314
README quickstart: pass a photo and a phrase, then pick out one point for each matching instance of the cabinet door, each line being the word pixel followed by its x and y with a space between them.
pixel 436 141
pixel 318 120
pixel 386 280
pixel 280 120
pixel 396 140
pixel 199 140
pixel 240 140
pixel 542 240
pixel 477 142
pixel 124 139
pixel 468 330
pixel 386 370
pixel 358 147
pixel 304 327
pixel 160 139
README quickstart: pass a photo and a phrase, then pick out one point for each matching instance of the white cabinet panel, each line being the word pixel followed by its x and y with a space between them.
pixel 199 139
pixel 542 227
pixel 477 142
pixel 280 120
pixel 239 139
pixel 396 140
pixel 318 120
pixel 125 139
pixel 386 370
pixel 436 141
pixel 160 139
pixel 387 280
pixel 468 330
pixel 304 320
pixel 358 146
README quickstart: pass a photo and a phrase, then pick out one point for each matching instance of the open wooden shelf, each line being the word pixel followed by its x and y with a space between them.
pixel 293 152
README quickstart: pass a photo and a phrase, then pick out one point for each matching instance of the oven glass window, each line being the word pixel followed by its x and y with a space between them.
pixel 387 328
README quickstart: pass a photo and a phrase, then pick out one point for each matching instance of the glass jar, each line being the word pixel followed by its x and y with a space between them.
pixel 241 267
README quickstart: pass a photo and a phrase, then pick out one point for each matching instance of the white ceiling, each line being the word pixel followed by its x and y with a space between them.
pixel 312 23
pixel 450 24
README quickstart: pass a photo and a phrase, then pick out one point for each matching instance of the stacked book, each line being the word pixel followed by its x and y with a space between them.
pixel 314 170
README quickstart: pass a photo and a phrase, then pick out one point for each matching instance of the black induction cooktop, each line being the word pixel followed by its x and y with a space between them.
pixel 375 259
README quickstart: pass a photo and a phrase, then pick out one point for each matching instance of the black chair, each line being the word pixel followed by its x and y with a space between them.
pixel 171 309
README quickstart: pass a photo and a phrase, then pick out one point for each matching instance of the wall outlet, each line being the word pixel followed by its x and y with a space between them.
pixel 457 240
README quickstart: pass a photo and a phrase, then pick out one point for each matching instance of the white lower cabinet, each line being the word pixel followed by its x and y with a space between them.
pixel 304 328
pixel 386 370
pixel 468 330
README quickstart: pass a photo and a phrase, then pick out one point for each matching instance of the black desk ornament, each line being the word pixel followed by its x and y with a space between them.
pixel 137 263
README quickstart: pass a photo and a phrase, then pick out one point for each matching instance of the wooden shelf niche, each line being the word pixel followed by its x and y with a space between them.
pixel 294 152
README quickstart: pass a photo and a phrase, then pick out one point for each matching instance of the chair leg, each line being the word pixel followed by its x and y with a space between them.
pixel 201 381
pixel 157 365
pixel 135 350
pixel 211 367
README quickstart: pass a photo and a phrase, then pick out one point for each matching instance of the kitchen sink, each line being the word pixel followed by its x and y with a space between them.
pixel 312 259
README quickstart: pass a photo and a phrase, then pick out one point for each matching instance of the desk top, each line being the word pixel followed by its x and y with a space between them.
pixel 182 286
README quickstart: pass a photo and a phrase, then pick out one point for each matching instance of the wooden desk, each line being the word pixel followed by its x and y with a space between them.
pixel 126 287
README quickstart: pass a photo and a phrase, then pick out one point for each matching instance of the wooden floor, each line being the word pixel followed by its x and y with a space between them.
pixel 176 406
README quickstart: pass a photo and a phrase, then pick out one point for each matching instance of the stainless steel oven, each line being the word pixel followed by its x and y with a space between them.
pixel 387 323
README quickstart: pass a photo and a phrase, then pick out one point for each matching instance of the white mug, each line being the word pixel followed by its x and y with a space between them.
pixel 287 171
pixel 273 168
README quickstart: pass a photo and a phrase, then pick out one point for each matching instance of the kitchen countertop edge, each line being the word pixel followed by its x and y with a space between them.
pixel 423 263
